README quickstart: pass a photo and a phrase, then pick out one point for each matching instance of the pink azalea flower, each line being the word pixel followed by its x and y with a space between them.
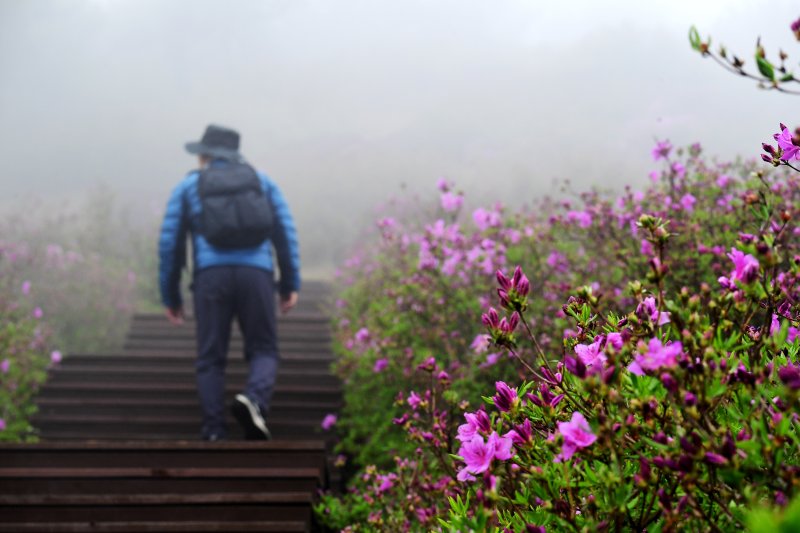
pixel 661 150
pixel 38 313
pixel 386 482
pixel 478 455
pixel 591 355
pixel 380 365
pixel 2 424
pixel 506 397
pixel 362 335
pixel 451 202
pixel 745 266
pixel 480 343
pixel 491 360
pixel 4 366
pixel 476 422
pixel 55 357
pixel 649 309
pixel 26 287
pixel 657 356
pixel 485 219
pixel 577 434
pixel 615 340
pixel 414 400
pixel 679 169
pixel 647 248
pixel 775 327
pixel 329 421
pixel 583 219
pixel 502 446
pixel 785 143
pixel 442 185
pixel 687 202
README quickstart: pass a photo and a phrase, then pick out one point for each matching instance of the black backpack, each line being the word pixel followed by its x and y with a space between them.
pixel 236 212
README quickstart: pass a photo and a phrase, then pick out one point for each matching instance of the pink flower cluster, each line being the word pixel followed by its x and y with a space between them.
pixel 477 452
pixel 745 270
pixel 656 356
pixel 576 434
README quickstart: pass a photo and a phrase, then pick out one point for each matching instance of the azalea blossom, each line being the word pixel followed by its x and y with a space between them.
pixel 661 150
pixel 329 421
pixel 649 309
pixel 476 422
pixel 787 145
pixel 745 269
pixel 479 454
pixel 576 434
pixel 451 202
pixel 615 340
pixel 506 398
pixel 414 400
pixel 687 202
pixel 380 365
pixel 657 356
pixel 592 354
pixel 362 335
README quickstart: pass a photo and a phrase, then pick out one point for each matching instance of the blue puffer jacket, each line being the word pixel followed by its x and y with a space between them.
pixel 182 217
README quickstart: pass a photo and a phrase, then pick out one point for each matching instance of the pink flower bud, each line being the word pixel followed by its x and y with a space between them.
pixel 504 282
pixel 491 319
pixel 504 301
pixel 524 286
pixel 517 276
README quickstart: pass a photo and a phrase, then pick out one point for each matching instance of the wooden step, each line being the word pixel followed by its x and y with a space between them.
pixel 132 526
pixel 191 353
pixel 146 376
pixel 120 447
pixel 146 486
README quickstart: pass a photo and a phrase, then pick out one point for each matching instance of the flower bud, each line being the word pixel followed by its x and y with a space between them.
pixel 669 382
pixel 517 276
pixel 504 301
pixel 524 286
pixel 689 399
pixel 575 365
pixel 715 459
pixel 506 398
pixel 491 318
pixel 504 282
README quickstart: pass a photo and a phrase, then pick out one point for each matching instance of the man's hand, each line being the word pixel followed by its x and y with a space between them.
pixel 288 302
pixel 175 316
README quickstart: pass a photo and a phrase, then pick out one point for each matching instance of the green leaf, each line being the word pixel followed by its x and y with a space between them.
pixel 765 68
pixel 787 77
pixel 694 38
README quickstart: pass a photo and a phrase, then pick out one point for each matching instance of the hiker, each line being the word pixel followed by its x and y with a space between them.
pixel 235 216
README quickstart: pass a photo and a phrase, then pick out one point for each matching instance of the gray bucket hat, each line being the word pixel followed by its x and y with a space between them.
pixel 217 142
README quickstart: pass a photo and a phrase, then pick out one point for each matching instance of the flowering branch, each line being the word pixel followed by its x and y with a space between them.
pixel 769 76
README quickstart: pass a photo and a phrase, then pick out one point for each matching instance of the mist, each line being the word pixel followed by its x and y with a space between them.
pixel 347 103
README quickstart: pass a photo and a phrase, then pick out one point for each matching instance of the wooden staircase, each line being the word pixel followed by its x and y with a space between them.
pixel 120 448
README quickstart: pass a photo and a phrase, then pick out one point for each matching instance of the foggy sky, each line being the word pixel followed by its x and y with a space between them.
pixel 343 101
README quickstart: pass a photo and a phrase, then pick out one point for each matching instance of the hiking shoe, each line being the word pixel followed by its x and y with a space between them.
pixel 249 417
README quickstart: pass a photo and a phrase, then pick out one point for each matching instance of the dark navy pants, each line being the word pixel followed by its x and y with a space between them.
pixel 222 294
